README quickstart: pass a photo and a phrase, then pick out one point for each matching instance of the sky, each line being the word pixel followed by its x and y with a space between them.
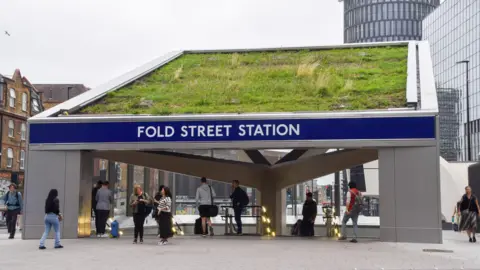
pixel 94 41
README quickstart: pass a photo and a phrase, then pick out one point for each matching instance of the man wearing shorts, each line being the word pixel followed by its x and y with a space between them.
pixel 204 200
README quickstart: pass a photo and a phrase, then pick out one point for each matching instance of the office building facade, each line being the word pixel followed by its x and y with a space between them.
pixel 385 20
pixel 453 31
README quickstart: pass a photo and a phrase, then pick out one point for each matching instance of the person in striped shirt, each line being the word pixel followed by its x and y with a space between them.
pixel 165 216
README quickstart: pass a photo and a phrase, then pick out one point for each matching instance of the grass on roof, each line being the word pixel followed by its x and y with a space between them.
pixel 283 81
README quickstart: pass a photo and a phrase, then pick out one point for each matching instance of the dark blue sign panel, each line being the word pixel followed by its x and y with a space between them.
pixel 386 128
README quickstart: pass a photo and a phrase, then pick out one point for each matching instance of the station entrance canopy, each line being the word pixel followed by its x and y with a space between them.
pixel 370 100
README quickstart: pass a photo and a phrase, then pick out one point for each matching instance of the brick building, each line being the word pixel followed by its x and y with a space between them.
pixel 54 94
pixel 19 100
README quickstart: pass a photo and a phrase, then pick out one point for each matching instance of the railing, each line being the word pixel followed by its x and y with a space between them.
pixel 228 217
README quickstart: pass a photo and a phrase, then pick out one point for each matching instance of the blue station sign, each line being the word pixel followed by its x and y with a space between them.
pixel 378 128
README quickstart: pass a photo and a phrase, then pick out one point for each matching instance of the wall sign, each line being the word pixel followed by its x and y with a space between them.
pixel 380 128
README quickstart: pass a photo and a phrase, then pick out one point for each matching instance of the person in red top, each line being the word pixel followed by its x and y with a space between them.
pixel 351 212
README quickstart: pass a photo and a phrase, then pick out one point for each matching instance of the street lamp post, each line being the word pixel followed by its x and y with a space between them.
pixel 469 151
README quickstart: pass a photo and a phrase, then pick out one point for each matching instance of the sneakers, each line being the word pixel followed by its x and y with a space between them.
pixel 59 246
pixel 104 235
pixel 162 242
pixel 141 240
pixel 42 247
pixel 353 240
pixel 135 241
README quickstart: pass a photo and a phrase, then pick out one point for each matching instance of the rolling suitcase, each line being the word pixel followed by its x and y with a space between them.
pixel 198 226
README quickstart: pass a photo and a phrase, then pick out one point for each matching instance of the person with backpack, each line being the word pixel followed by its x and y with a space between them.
pixel 239 200
pixel 13 201
pixel 354 208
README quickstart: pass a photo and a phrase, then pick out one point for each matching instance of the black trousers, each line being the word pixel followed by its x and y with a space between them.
pixel 101 220
pixel 138 221
pixel 307 228
pixel 238 218
pixel 11 220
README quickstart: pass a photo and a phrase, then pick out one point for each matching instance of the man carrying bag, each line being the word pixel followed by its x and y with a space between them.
pixel 206 208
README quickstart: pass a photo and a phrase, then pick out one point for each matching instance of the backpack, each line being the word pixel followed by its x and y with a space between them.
pixel 358 204
pixel 245 200
pixel 6 199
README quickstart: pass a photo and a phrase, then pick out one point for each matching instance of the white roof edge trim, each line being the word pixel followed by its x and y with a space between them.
pixel 100 91
pixel 218 117
pixel 325 47
pixel 428 91
pixel 412 90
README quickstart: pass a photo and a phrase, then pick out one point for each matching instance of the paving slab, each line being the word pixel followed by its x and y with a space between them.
pixel 220 252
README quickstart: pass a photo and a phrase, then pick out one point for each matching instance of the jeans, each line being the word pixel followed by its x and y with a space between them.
pixel 11 221
pixel 51 220
pixel 101 220
pixel 238 218
pixel 138 220
pixel 346 217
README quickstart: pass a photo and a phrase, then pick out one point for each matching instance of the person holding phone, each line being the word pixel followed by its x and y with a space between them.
pixel 139 201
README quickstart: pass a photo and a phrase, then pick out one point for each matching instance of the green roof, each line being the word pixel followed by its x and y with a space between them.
pixel 281 81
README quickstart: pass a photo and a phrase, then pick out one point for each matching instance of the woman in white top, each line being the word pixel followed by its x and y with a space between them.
pixel 165 216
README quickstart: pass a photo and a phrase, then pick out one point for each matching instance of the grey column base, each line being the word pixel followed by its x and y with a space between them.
pixel 411 235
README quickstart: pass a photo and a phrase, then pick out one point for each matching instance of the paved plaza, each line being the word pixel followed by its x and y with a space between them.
pixel 237 253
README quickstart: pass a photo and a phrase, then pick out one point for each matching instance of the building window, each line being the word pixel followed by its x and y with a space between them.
pixel 24 102
pixel 11 128
pixel 9 158
pixel 22 159
pixel 12 98
pixel 23 132
pixel 1 91
pixel 35 106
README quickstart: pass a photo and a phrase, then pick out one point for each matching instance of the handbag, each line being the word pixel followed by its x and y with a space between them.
pixel 212 209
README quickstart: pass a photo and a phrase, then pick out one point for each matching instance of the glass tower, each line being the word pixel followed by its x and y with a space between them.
pixel 385 20
pixel 453 31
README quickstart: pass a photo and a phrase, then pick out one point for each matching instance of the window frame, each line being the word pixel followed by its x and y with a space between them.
pixel 22 159
pixel 11 128
pixel 24 102
pixel 12 97
pixel 10 155
pixel 23 132
pixel 35 105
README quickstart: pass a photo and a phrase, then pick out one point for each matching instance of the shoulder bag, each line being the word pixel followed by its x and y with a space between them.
pixel 213 209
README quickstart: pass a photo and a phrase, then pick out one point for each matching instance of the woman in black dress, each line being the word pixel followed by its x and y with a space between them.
pixel 156 201
pixel 165 216
pixel 469 210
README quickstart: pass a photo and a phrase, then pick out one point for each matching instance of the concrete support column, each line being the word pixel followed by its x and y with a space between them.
pixel 65 176
pixel 409 186
pixel 274 200
pixel 85 200
pixel 112 180
pixel 130 171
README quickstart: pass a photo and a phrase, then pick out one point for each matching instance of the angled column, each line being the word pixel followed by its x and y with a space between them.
pixel 64 171
pixel 410 195
pixel 274 200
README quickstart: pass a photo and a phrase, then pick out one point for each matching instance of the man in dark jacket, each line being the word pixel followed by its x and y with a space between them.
pixel 239 200
pixel 309 213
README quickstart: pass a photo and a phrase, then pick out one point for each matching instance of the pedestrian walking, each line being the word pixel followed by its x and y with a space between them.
pixel 52 218
pixel 469 210
pixel 13 200
pixel 239 200
pixel 354 208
